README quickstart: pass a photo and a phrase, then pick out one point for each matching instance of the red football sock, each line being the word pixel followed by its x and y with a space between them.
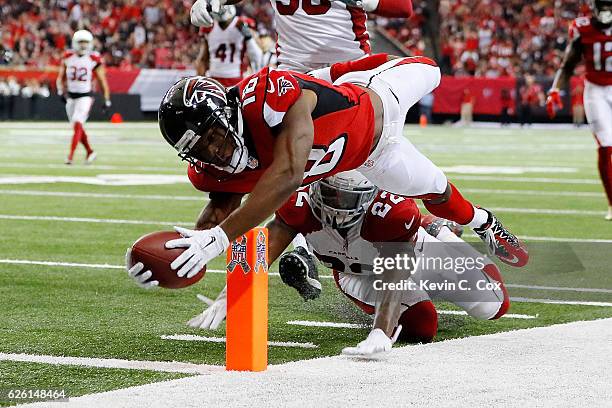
pixel 419 323
pixel 456 208
pixel 76 138
pixel 84 140
pixel 605 170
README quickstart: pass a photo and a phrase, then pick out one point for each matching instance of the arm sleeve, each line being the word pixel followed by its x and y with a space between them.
pixel 394 8
pixel 364 64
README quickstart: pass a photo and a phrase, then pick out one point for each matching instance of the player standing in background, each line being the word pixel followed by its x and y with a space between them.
pixel 76 72
pixel 591 38
pixel 312 36
pixel 224 46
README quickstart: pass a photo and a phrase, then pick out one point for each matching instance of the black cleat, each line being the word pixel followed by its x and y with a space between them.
pixel 502 242
pixel 299 270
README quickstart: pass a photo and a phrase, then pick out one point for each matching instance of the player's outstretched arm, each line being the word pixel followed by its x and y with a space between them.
pixel 284 175
pixel 218 209
pixel 573 55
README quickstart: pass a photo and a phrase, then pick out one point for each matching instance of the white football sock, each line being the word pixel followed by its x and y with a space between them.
pixel 480 218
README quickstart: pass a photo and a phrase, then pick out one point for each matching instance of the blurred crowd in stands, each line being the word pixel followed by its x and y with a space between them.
pixel 493 38
pixel 489 38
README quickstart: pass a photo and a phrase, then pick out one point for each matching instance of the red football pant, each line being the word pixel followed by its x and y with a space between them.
pixel 419 323
pixel 605 169
pixel 79 135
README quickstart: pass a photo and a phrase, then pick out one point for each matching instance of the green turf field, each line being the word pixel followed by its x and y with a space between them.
pixel 543 184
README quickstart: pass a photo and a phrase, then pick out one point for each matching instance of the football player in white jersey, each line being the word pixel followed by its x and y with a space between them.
pixel 345 218
pixel 314 34
pixel 224 46
pixel 74 85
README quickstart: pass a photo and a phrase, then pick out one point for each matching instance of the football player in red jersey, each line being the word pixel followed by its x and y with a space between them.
pixel 278 130
pixel 77 71
pixel 224 46
pixel 591 39
pixel 348 223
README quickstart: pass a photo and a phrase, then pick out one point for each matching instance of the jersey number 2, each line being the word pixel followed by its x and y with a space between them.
pixel 289 7
pixel 597 53
pixel 325 160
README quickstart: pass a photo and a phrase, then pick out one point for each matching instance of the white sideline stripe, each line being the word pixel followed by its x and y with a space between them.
pixel 89 220
pixel 192 337
pixel 162 366
pixel 560 302
pixel 93 167
pixel 544 363
pixel 533 192
pixel 529 179
pixel 103 195
pixel 108 266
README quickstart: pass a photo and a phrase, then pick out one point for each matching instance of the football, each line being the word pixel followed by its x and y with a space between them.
pixel 151 251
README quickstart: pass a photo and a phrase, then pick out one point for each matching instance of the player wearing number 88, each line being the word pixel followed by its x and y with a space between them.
pixel 224 46
pixel 278 130
pixel 591 38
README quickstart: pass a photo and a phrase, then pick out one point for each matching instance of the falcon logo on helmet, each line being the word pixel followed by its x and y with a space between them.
pixel 198 88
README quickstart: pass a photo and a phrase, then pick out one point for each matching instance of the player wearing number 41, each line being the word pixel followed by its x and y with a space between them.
pixel 591 38
pixel 224 46
pixel 316 33
pixel 76 72
pixel 278 130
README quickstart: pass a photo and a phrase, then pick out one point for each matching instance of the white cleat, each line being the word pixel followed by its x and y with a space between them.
pixel 68 161
pixel 90 158
pixel 609 216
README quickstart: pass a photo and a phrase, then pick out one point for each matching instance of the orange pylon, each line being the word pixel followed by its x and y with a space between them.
pixel 423 121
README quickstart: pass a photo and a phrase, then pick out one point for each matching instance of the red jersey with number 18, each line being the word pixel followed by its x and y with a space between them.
pixel 597 49
pixel 343 128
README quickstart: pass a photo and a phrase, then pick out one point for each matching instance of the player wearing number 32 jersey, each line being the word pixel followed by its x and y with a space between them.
pixel 591 40
pixel 278 130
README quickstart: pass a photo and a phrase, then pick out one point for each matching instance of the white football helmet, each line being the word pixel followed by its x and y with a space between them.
pixel 602 10
pixel 225 14
pixel 82 41
pixel 341 200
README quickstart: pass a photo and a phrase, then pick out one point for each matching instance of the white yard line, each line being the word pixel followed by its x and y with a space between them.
pixel 543 364
pixel 311 323
pixel 89 220
pixel 162 366
pixel 507 315
pixel 560 289
pixel 68 194
pixel 568 239
pixel 548 180
pixel 192 337
pixel 561 302
pixel 92 167
pixel 534 192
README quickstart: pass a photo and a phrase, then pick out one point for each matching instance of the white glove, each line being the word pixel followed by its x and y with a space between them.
pixel 200 12
pixel 376 342
pixel 135 273
pixel 213 315
pixel 202 247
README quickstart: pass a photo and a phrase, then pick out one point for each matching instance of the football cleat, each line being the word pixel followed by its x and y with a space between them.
pixel 68 161
pixel 502 243
pixel 609 215
pixel 90 158
pixel 299 270
pixel 433 225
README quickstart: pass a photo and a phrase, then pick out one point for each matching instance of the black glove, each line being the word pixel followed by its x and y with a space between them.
pixel 299 270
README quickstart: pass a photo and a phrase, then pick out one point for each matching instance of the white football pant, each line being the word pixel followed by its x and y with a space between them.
pixel 78 109
pixel 598 108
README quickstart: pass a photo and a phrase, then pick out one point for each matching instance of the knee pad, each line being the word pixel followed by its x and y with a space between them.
pixel 419 323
